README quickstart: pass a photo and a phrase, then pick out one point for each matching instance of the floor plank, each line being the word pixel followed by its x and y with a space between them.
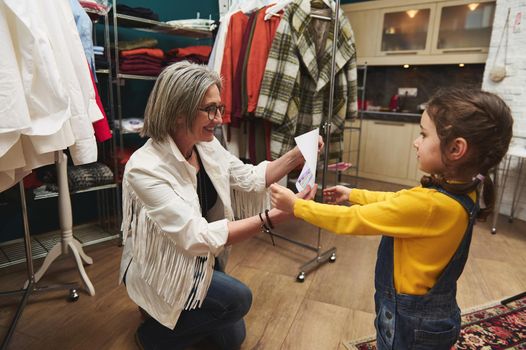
pixel 317 326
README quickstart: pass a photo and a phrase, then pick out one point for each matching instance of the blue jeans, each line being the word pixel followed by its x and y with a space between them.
pixel 220 319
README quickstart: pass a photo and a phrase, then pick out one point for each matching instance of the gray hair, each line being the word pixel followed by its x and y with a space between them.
pixel 177 94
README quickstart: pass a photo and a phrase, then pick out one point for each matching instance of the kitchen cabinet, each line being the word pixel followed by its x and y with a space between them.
pixel 395 32
pixel 365 25
pixel 405 30
pixel 387 152
pixel 463 27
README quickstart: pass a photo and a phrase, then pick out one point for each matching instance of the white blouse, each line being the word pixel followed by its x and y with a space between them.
pixel 169 246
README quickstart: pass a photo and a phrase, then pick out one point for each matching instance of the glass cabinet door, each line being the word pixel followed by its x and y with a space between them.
pixel 405 30
pixel 464 26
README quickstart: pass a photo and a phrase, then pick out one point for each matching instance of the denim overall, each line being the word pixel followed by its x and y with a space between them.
pixel 430 321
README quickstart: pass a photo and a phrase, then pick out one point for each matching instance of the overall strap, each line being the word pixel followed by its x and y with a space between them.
pixel 469 205
pixel 447 280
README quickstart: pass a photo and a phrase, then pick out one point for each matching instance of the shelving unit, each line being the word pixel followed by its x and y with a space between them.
pixel 106 227
pixel 109 195
pixel 126 21
pixel 352 134
pixel 13 252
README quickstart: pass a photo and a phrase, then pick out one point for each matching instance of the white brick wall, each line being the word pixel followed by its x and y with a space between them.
pixel 513 88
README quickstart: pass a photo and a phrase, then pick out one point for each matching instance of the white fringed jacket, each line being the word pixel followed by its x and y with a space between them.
pixel 169 246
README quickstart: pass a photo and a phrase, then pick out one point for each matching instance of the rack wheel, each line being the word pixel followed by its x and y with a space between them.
pixel 493 231
pixel 73 295
pixel 301 277
pixel 332 259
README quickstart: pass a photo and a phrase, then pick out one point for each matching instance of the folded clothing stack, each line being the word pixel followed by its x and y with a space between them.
pixel 130 125
pixel 100 7
pixel 79 177
pixel 197 54
pixel 143 61
pixel 197 24
pixel 141 12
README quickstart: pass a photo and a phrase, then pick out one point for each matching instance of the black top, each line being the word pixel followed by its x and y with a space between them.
pixel 205 189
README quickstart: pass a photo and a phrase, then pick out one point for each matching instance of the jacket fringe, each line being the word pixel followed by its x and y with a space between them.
pixel 180 279
pixel 247 204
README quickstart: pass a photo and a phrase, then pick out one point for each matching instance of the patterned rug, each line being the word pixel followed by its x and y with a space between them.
pixel 491 327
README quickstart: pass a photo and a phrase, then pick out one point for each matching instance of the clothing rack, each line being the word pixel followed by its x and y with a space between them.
pixel 329 255
pixel 67 241
pixel 31 284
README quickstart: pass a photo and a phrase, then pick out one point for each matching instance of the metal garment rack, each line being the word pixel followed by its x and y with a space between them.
pixel 68 243
pixel 31 284
pixel 354 128
pixel 329 255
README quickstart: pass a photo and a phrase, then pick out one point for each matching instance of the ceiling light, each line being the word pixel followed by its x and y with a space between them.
pixel 473 6
pixel 461 65
pixel 406 66
pixel 412 13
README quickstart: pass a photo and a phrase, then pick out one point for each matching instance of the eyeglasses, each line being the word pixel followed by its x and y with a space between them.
pixel 212 111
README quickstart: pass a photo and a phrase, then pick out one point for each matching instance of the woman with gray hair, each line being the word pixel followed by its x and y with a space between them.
pixel 178 219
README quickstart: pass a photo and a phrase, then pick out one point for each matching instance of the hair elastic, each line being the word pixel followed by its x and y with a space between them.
pixel 265 229
pixel 268 219
pixel 480 177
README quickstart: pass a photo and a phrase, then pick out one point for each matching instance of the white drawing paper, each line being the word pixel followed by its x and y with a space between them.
pixel 308 146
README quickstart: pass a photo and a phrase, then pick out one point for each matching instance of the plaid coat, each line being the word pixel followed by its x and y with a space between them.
pixel 294 93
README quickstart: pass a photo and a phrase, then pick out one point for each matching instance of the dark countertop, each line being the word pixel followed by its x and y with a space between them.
pixel 392 116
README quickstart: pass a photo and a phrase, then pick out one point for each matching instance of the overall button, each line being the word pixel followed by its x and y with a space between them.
pixel 388 315
pixel 388 334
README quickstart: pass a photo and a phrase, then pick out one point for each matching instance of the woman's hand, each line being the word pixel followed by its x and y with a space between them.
pixel 336 194
pixel 300 156
pixel 320 143
pixel 283 199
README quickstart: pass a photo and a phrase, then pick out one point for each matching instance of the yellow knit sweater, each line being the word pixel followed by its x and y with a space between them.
pixel 427 227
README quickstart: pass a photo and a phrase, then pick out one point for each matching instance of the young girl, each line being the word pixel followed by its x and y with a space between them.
pixel 426 231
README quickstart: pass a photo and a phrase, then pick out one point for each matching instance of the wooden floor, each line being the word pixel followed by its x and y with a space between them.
pixel 333 305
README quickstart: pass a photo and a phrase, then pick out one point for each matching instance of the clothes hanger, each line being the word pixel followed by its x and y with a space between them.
pixel 273 10
pixel 249 6
pixel 320 5
pixel 234 6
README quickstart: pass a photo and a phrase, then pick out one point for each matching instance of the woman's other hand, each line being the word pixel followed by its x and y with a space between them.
pixel 336 194
pixel 320 143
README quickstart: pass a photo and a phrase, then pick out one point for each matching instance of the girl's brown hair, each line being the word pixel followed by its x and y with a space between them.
pixel 484 120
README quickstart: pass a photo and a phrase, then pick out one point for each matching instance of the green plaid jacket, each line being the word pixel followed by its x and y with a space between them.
pixel 294 93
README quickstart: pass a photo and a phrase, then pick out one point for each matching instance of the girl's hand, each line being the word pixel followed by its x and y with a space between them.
pixel 308 193
pixel 283 199
pixel 336 194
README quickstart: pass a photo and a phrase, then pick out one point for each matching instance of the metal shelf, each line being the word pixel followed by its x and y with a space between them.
pixel 12 252
pixel 55 194
pixel 160 27
pixel 134 76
